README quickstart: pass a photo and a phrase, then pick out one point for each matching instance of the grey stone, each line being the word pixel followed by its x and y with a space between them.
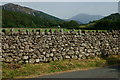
pixel 32 61
pixel 37 60
pixel 53 49
pixel 51 54
pixel 6 46
pixel 67 57
pixel 47 55
pixel 25 57
pixel 9 59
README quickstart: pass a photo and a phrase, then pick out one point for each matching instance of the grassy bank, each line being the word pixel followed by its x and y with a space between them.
pixel 23 70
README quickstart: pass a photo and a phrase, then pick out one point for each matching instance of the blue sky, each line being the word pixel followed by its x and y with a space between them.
pixel 66 10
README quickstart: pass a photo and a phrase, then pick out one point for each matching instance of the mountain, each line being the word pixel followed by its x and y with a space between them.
pixel 110 22
pixel 14 15
pixel 86 18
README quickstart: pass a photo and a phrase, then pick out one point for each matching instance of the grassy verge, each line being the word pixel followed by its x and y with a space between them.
pixel 18 70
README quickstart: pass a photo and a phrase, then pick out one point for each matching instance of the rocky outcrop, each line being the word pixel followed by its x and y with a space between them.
pixel 37 46
pixel 18 8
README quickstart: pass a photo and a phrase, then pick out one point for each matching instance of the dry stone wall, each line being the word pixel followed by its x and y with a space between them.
pixel 36 47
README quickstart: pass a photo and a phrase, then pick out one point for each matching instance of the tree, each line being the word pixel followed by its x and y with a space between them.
pixel 70 24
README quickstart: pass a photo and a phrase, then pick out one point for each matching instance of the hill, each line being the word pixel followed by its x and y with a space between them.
pixel 85 18
pixel 110 22
pixel 18 16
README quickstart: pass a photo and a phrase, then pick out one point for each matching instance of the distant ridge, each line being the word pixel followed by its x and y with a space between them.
pixel 86 18
pixel 109 22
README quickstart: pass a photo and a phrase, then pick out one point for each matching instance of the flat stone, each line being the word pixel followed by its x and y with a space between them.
pixel 51 54
pixel 37 60
pixel 67 57
pixel 31 61
pixel 53 49
pixel 25 57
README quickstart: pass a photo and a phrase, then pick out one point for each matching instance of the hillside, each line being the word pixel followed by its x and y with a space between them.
pixel 17 16
pixel 110 22
pixel 85 18
pixel 0 16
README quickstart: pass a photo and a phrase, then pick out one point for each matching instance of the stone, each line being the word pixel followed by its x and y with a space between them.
pixel 49 59
pixel 2 59
pixel 53 49
pixel 31 61
pixel 25 57
pixel 49 39
pixel 21 61
pixel 89 50
pixel 71 48
pixel 66 44
pixel 26 61
pixel 51 54
pixel 31 50
pixel 75 57
pixel 55 58
pixel 9 59
pixel 87 54
pixel 47 55
pixel 37 33
pixel 76 52
pixel 44 53
pixel 37 60
pixel 70 52
pixel 79 55
pixel 63 53
pixel 34 56
pixel 27 47
pixel 67 57
pixel 25 43
pixel 6 46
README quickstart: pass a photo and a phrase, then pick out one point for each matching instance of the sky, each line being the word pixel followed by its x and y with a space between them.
pixel 65 10
pixel 60 0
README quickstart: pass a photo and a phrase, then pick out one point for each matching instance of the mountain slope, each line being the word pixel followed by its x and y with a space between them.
pixel 85 18
pixel 18 8
pixel 113 17
pixel 110 22
pixel 18 16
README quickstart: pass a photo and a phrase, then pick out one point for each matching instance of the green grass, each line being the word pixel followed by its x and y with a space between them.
pixel 23 70
pixel 43 29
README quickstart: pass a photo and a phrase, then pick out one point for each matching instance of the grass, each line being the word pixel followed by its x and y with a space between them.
pixel 30 29
pixel 23 70
pixel 43 29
